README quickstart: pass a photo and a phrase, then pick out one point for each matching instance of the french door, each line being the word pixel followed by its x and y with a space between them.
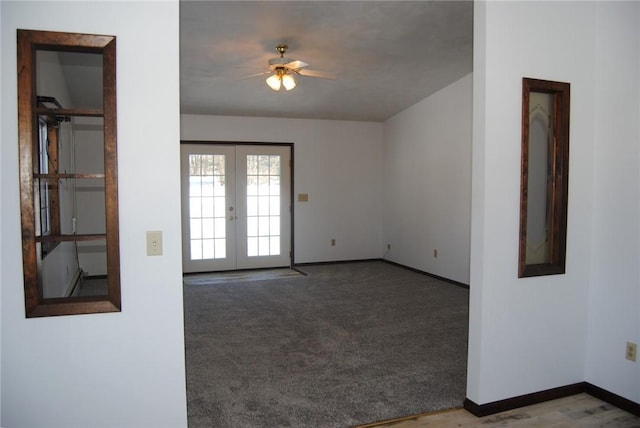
pixel 235 207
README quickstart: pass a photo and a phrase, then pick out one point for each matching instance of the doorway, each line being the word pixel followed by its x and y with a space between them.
pixel 236 206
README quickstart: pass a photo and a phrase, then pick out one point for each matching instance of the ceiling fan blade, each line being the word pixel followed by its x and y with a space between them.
pixel 295 65
pixel 262 73
pixel 316 73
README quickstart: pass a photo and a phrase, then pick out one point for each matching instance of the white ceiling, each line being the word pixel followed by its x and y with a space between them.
pixel 387 55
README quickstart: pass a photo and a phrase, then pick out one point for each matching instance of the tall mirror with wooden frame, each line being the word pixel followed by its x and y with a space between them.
pixel 544 181
pixel 68 172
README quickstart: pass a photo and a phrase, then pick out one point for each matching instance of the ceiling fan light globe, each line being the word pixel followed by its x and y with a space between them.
pixel 274 82
pixel 288 82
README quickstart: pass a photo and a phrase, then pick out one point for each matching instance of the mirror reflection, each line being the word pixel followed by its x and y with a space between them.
pixel 67 204
pixel 539 178
pixel 545 177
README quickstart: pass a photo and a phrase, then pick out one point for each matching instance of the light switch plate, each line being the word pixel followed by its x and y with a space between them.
pixel 154 243
pixel 303 197
pixel 632 351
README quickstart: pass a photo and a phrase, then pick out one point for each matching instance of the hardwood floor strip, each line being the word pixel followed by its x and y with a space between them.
pixel 576 411
pixel 391 422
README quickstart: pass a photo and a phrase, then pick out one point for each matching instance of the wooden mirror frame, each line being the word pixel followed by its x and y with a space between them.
pixel 557 170
pixel 29 110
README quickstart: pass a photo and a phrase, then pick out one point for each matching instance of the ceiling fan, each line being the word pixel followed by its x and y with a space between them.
pixel 283 70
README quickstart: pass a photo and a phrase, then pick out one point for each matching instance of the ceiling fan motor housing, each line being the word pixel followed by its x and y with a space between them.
pixel 274 62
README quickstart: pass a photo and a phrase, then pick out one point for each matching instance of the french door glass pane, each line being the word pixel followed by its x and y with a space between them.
pixel 263 205
pixel 207 206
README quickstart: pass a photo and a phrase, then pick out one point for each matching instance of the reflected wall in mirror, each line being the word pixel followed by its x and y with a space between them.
pixel 544 180
pixel 68 172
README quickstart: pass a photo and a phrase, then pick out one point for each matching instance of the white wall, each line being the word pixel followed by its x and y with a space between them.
pixel 528 334
pixel 50 81
pixel 427 183
pixel 119 369
pixel 532 334
pixel 614 298
pixel 337 163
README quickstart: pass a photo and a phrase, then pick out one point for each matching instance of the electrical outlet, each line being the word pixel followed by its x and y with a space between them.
pixel 388 247
pixel 435 254
pixel 632 350
pixel 333 242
